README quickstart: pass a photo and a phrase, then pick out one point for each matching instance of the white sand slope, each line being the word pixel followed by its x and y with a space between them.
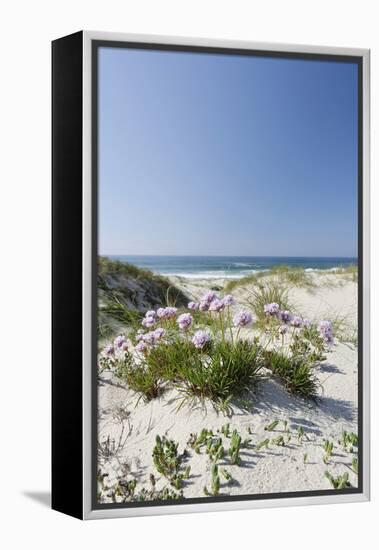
pixel 270 470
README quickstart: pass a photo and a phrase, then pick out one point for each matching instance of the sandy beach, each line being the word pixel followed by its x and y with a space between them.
pixel 294 457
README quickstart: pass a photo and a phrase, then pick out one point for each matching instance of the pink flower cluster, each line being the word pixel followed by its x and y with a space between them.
pixel 120 344
pixel 201 338
pixel 243 319
pixel 150 319
pixel 149 339
pixel 271 309
pixel 184 321
pixel 211 302
pixel 325 329
pixel 167 313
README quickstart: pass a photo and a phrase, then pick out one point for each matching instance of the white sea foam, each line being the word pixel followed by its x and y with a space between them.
pixel 214 274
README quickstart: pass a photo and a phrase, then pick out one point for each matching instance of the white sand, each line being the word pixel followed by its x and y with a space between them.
pixel 276 469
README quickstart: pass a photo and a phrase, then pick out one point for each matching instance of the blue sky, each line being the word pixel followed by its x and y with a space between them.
pixel 204 154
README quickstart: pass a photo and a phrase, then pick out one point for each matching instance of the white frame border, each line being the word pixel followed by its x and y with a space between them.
pixel 88 512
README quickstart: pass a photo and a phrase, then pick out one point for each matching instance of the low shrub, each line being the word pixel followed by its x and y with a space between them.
pixel 295 373
pixel 226 372
pixel 169 462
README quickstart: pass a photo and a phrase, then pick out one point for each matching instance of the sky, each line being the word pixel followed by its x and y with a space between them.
pixel 203 154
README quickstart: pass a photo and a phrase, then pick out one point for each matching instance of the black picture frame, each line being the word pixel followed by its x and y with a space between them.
pixel 71 444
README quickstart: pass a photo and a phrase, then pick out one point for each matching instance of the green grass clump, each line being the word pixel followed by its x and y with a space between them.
pixel 295 276
pixel 349 272
pixel 220 372
pixel 349 441
pixel 232 284
pixel 228 371
pixel 268 293
pixel 145 382
pixel 122 313
pixel 140 378
pixel 295 373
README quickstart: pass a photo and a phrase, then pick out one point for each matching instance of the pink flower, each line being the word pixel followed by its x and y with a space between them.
pixel 285 316
pixel 141 347
pixel 120 341
pixel 228 300
pixel 167 313
pixel 148 322
pixel 325 329
pixel 209 297
pixel 216 305
pixel 109 349
pixel 159 333
pixel 150 313
pixel 271 309
pixel 200 338
pixel 203 306
pixel 243 319
pixel 193 305
pixel 296 321
pixel 184 321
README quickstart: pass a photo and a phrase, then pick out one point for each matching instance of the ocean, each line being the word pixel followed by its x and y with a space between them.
pixel 231 267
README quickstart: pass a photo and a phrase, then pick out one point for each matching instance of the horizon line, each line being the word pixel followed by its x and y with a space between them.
pixel 225 256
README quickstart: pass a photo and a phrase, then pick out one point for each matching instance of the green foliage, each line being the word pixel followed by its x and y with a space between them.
pixel 122 313
pixel 340 482
pixel 349 441
pixel 262 444
pixel 328 448
pixel 349 272
pixel 292 275
pixel 271 427
pixel 225 430
pixel 139 377
pixel 232 284
pixel 295 373
pixel 301 434
pixel 235 448
pixel 215 449
pixel 215 482
pixel 272 291
pixel 229 370
pixel 168 461
pixel 197 441
pixel 125 490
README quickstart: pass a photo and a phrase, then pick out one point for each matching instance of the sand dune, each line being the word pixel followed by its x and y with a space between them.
pixel 297 466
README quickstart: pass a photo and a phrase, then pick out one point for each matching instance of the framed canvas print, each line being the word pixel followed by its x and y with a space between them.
pixel 210 275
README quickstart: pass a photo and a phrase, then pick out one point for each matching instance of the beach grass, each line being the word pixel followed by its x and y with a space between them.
pixel 295 373
pixel 253 279
pixel 294 276
pixel 229 371
pixel 267 293
pixel 284 274
pixel 220 372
